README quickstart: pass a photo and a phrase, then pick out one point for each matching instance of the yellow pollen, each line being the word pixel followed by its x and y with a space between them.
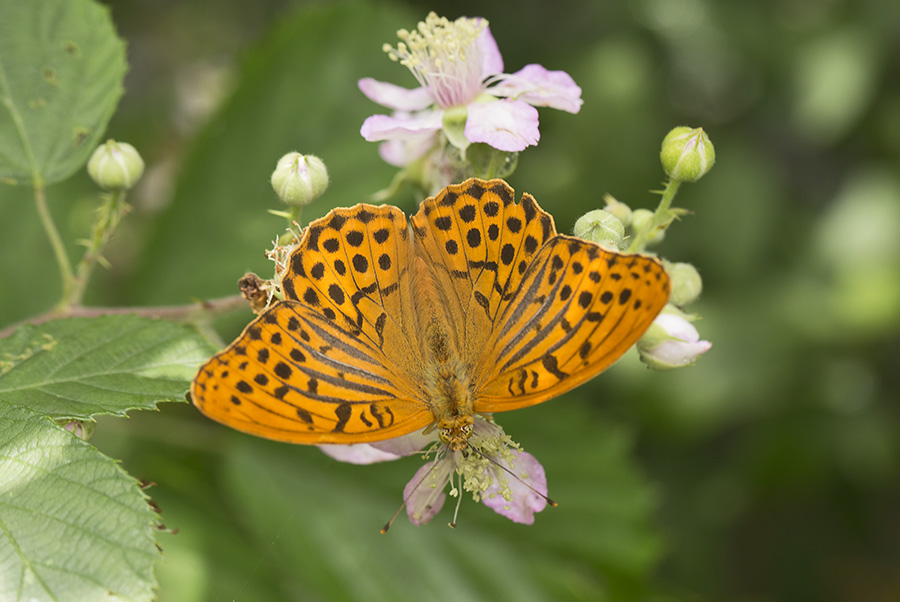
pixel 440 49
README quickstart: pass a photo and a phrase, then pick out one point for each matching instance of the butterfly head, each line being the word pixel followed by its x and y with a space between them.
pixel 455 432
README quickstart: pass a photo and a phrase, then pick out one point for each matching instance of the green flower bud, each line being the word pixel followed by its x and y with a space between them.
pixel 299 179
pixel 687 154
pixel 115 166
pixel 641 219
pixel 601 227
pixel 686 283
pixel 618 208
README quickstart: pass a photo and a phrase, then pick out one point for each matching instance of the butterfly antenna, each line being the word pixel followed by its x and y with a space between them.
pixel 387 526
pixel 513 475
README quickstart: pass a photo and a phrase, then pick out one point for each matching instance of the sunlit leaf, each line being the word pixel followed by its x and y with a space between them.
pixel 78 367
pixel 73 525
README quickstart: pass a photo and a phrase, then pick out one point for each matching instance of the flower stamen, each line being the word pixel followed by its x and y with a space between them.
pixel 458 503
pixel 444 57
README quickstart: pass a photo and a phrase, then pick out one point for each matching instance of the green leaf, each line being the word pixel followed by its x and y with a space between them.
pixel 61 73
pixel 78 367
pixel 73 524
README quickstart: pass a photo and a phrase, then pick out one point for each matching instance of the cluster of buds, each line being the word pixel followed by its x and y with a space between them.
pixel 672 341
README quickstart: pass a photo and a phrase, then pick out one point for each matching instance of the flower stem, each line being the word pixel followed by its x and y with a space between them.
pixel 667 197
pixel 295 211
pixel 662 217
pixel 108 217
pixel 59 249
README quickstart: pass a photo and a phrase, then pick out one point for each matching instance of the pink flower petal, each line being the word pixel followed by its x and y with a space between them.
pixel 491 59
pixel 395 97
pixel 401 127
pixel 682 350
pixel 401 153
pixel 424 494
pixel 407 444
pixel 542 88
pixel 678 327
pixel 524 502
pixel 507 125
pixel 359 453
pixel 680 353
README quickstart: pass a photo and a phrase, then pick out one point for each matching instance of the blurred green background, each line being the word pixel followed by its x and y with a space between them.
pixel 767 472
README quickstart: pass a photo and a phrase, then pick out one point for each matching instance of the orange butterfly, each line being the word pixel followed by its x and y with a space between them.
pixel 389 326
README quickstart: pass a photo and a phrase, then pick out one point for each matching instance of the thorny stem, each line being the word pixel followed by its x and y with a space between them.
pixel 73 284
pixel 59 249
pixel 661 218
pixel 108 217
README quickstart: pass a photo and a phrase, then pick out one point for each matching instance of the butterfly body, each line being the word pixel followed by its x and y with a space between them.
pixel 446 387
pixel 473 305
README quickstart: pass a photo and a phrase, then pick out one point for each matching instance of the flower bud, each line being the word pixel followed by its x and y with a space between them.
pixel 601 227
pixel 618 208
pixel 687 154
pixel 299 179
pixel 686 283
pixel 641 219
pixel 671 342
pixel 115 165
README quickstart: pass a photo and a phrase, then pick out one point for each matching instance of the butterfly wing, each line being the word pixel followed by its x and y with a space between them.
pixel 335 361
pixel 578 308
pixel 478 243
pixel 542 313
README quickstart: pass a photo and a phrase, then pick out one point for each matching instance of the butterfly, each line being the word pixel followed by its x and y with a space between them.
pixel 391 325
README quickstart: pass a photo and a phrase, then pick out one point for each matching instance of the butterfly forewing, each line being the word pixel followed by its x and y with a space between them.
pixel 578 309
pixel 478 243
pixel 353 266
